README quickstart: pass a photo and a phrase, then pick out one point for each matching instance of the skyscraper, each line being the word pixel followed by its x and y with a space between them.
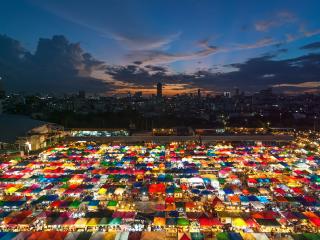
pixel 199 93
pixel 227 94
pixel 159 89
pixel 236 91
pixel 2 92
pixel 82 94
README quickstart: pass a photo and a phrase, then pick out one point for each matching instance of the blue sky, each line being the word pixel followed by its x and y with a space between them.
pixel 182 36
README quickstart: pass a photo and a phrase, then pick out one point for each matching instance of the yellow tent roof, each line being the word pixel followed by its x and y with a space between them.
pixel 81 222
pixel 92 222
pixel 11 190
pixel 109 236
pixel 210 176
pixel 247 236
pixel 102 191
pixel 238 222
pixel 159 221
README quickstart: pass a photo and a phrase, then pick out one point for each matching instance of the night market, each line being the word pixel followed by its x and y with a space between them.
pixel 85 190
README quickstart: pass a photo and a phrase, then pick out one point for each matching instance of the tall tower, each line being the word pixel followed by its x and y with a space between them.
pixel 236 91
pixel 82 94
pixel 2 92
pixel 199 93
pixel 159 89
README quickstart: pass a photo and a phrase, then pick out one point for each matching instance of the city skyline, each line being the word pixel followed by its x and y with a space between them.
pixel 160 119
pixel 110 47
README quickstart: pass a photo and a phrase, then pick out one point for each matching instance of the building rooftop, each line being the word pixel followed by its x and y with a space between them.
pixel 14 126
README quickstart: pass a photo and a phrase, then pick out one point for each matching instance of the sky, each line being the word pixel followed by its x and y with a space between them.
pixel 115 46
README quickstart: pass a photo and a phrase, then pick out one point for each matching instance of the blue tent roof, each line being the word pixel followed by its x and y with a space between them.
pixel 205 192
pixel 253 198
pixel 235 236
pixel 244 198
pixel 228 191
pixel 195 191
pixel 8 236
pixel 263 199
pixel 174 214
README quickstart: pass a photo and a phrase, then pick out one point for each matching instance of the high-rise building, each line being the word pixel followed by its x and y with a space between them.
pixel 2 92
pixel 266 92
pixel 236 91
pixel 227 94
pixel 199 93
pixel 138 94
pixel 1 106
pixel 159 89
pixel 82 94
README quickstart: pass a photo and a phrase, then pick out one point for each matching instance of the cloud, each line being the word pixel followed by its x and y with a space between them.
pixel 270 75
pixel 118 23
pixel 10 50
pixel 264 42
pixel 298 85
pixel 308 33
pixel 139 78
pixel 311 46
pixel 261 72
pixel 252 75
pixel 151 57
pixel 281 18
pixel 138 43
pixel 61 66
pixel 56 66
pixel 146 76
pixel 282 50
pixel 303 33
pixel 263 26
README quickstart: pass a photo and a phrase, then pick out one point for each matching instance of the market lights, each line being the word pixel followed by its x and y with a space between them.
pixel 174 188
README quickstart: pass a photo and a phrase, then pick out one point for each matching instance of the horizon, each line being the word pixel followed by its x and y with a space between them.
pixel 111 48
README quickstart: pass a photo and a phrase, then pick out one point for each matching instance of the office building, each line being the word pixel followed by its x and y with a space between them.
pixel 159 90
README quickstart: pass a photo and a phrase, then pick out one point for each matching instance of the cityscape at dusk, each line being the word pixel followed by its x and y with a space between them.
pixel 159 120
pixel 112 47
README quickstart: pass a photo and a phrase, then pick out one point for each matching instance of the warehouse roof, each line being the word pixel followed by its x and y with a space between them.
pixel 14 126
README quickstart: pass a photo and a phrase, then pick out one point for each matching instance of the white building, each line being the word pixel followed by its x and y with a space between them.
pixel 26 134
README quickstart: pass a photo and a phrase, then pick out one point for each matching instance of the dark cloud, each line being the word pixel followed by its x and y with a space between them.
pixel 138 43
pixel 252 75
pixel 152 57
pixel 147 76
pixel 56 66
pixel 11 50
pixel 156 68
pixel 60 66
pixel 137 62
pixel 258 73
pixel 282 50
pixel 311 46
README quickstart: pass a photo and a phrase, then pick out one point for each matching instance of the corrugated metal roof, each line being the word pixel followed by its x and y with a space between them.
pixel 14 126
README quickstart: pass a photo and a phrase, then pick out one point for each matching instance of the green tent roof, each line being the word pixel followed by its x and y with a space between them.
pixel 112 203
pixel 183 222
pixel 115 221
pixel 75 204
